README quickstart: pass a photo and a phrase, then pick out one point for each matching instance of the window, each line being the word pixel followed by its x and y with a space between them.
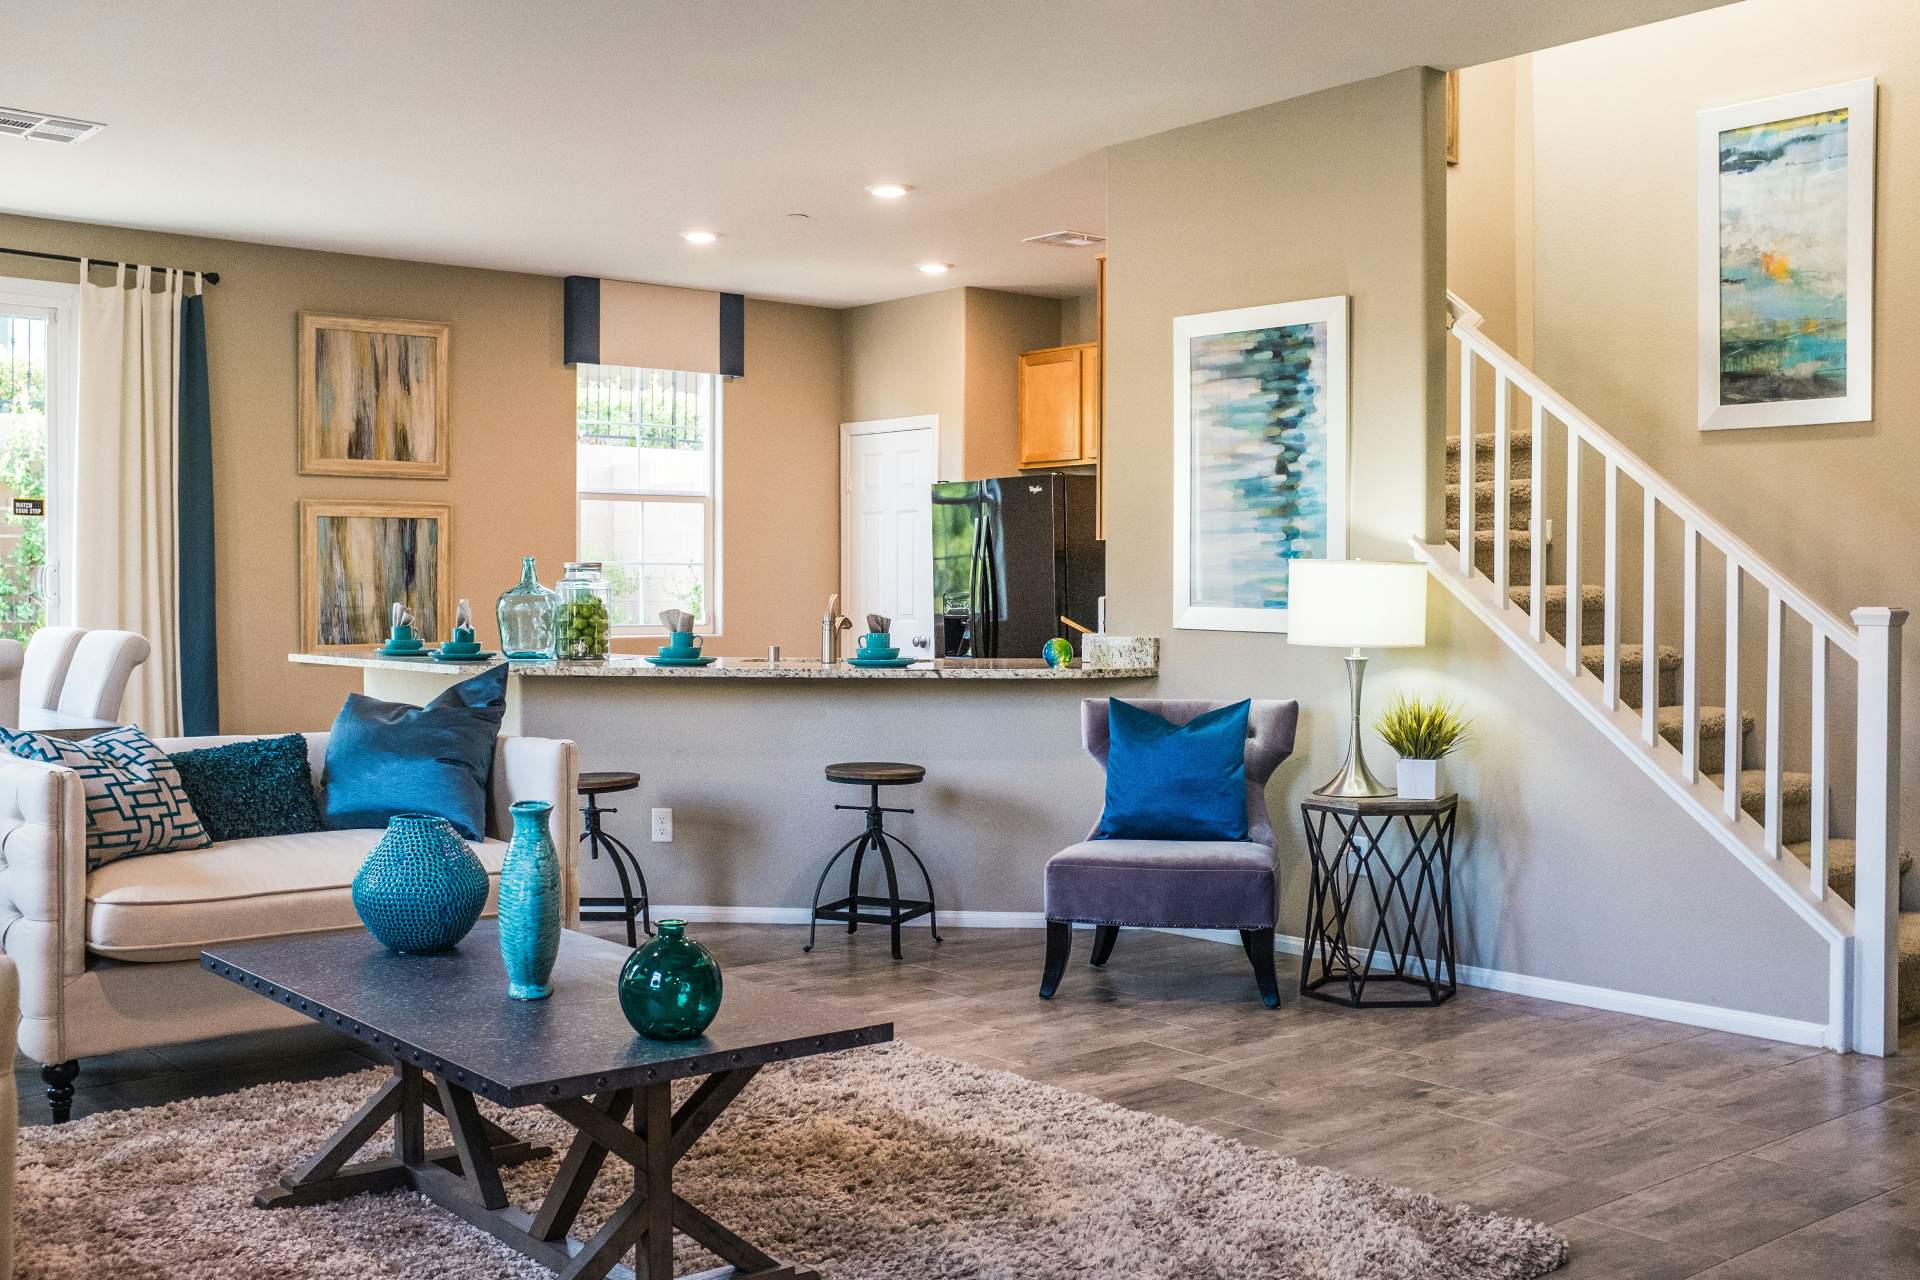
pixel 649 490
pixel 36 433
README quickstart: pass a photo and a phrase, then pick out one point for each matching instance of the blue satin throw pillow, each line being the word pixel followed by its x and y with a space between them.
pixel 385 758
pixel 1175 782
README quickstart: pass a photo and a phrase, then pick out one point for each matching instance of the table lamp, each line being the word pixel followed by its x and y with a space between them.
pixel 1356 604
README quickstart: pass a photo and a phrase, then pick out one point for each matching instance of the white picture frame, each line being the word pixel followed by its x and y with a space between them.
pixel 1205 526
pixel 1808 221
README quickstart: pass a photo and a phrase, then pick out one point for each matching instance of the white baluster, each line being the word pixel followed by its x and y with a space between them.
pixel 1537 528
pixel 1730 766
pixel 1502 490
pixel 1690 657
pixel 1649 671
pixel 1770 825
pixel 1876 886
pixel 1573 552
pixel 1610 614
pixel 1469 457
pixel 1818 830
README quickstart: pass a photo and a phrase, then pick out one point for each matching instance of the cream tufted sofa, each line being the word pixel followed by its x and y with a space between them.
pixel 109 960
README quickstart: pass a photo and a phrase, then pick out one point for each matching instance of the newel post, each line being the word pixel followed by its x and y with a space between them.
pixel 1876 903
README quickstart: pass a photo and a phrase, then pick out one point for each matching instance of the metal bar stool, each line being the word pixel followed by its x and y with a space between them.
pixel 626 907
pixel 897 910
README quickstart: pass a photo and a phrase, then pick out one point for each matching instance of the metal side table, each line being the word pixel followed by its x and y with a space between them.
pixel 1402 901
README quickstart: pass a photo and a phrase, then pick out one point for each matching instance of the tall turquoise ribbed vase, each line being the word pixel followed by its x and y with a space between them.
pixel 530 903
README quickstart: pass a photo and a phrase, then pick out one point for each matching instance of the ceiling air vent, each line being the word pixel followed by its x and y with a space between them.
pixel 45 128
pixel 1067 239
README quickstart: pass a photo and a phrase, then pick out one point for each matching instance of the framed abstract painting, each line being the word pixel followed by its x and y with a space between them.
pixel 1786 259
pixel 357 558
pixel 1259 458
pixel 373 397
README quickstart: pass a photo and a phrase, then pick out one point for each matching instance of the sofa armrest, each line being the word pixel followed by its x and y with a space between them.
pixel 541 769
pixel 9 1109
pixel 43 893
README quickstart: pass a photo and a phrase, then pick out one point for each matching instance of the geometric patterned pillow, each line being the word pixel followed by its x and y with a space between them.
pixel 135 803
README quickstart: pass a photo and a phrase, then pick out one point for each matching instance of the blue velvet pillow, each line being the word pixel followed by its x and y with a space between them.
pixel 385 758
pixel 1175 782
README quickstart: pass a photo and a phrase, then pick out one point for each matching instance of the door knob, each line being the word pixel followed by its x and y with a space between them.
pixel 921 642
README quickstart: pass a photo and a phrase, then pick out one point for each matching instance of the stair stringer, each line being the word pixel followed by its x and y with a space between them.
pixel 1790 880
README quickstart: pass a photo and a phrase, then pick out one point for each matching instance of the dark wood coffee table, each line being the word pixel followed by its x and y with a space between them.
pixel 447 1026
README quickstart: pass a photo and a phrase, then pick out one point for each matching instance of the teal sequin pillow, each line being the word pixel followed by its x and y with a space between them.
pixel 260 787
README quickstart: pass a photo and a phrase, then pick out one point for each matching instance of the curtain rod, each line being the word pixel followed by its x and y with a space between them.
pixel 211 277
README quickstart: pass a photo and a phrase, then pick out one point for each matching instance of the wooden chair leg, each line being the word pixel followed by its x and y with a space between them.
pixel 1059 945
pixel 1259 947
pixel 59 1078
pixel 1104 936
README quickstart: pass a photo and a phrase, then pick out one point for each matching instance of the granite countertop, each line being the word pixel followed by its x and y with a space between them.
pixel 1137 660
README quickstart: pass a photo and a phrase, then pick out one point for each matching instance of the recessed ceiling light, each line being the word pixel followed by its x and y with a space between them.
pixel 888 190
pixel 698 237
pixel 936 268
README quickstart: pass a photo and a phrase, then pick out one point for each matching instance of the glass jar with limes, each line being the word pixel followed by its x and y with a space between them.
pixel 581 622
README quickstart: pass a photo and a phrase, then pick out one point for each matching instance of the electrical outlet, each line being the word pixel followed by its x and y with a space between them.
pixel 663 826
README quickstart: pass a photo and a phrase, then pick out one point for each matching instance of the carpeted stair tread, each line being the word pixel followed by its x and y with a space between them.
pixel 1593 601
pixel 1519 549
pixel 1520 495
pixel 1519 441
pixel 1796 799
pixel 1594 656
pixel 1841 857
pixel 1671 723
pixel 1519 456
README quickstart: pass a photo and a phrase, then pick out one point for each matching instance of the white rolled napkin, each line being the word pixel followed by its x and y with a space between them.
pixel 879 622
pixel 676 620
pixel 402 616
pixel 463 615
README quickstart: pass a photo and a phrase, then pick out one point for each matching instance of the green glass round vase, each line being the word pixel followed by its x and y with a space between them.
pixel 670 988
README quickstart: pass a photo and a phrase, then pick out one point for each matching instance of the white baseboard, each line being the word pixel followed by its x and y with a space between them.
pixel 1661 1008
pixel 1713 1017
pixel 800 915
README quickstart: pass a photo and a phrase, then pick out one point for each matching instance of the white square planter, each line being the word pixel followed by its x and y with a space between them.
pixel 1421 779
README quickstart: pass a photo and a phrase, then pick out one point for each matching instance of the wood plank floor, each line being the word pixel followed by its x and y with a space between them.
pixel 1660 1150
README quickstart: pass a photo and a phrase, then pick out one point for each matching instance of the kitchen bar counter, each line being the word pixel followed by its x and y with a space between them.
pixel 1145 665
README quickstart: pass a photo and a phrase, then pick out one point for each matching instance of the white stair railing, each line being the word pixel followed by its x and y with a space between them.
pixel 1863 938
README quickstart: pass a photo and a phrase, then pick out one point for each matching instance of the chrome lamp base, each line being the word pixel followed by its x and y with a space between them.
pixel 1355 781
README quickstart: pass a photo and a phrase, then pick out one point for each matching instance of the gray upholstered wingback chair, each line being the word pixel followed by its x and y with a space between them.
pixel 1175 884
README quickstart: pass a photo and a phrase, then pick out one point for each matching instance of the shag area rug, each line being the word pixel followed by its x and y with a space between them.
pixel 877 1163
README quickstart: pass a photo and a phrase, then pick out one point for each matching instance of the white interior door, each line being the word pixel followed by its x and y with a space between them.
pixel 886 527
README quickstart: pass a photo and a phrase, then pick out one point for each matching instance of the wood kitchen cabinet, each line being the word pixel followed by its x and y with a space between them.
pixel 1060 406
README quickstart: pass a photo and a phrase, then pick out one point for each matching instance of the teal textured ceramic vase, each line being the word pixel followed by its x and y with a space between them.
pixel 530 903
pixel 670 988
pixel 422 888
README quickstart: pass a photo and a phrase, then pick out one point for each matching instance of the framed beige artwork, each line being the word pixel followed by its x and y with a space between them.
pixel 373 397
pixel 357 558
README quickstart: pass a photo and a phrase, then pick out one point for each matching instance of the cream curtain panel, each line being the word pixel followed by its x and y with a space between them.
pixel 126 457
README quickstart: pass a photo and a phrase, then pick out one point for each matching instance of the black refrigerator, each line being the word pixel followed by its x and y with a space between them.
pixel 1010 556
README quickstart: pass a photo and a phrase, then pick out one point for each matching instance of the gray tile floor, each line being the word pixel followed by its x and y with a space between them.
pixel 1660 1150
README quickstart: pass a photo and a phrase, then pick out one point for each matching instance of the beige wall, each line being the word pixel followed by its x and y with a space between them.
pixel 999 326
pixel 1080 319
pixel 907 357
pixel 1573 867
pixel 511 487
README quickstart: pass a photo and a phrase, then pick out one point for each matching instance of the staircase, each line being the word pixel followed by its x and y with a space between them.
pixel 1649 693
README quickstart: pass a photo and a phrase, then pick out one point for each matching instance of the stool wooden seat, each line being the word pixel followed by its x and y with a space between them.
pixel 857 909
pixel 607 781
pixel 874 773
pixel 630 905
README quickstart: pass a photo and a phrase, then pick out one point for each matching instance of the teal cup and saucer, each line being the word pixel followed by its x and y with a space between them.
pixel 462 648
pixel 402 643
pixel 876 646
pixel 681 650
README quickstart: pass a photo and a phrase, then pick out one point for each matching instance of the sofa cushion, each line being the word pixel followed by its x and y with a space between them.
pixel 257 787
pixel 169 907
pixel 1169 884
pixel 385 758
pixel 135 803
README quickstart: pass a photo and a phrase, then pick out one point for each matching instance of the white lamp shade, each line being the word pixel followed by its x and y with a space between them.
pixel 1356 604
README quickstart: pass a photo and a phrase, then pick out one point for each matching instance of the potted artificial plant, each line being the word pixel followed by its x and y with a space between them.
pixel 1422 734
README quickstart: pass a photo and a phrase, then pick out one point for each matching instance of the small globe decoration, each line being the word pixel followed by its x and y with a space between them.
pixel 1057 652
pixel 422 888
pixel 670 988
